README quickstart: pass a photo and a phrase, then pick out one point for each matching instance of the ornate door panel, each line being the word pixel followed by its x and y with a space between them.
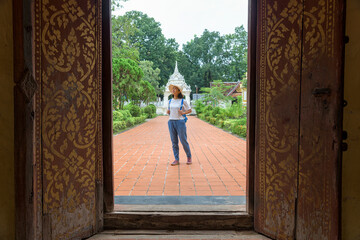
pixel 277 117
pixel 68 116
pixel 298 124
pixel 320 121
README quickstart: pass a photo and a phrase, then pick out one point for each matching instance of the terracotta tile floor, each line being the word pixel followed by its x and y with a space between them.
pixel 142 158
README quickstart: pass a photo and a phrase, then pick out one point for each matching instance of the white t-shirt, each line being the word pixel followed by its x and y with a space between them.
pixel 175 105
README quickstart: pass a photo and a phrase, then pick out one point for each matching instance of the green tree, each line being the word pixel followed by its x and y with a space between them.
pixel 122 31
pixel 152 44
pixel 206 54
pixel 147 92
pixel 151 75
pixel 216 93
pixel 126 78
pixel 116 4
pixel 236 47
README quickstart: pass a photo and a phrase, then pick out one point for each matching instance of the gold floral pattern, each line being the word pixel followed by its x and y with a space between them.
pixel 293 37
pixel 68 112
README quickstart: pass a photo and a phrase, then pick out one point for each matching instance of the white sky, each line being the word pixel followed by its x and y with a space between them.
pixel 182 19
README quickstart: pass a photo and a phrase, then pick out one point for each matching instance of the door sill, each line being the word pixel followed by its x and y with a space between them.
pixel 175 220
pixel 179 208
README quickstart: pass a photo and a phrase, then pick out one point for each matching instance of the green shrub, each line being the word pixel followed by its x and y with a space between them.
pixel 119 115
pixel 241 121
pixel 239 130
pixel 118 126
pixel 208 108
pixel 220 123
pixel 153 107
pixel 134 109
pixel 216 111
pixel 207 111
pixel 130 122
pixel 199 107
pixel 227 124
pixel 140 119
pixel 149 111
pixel 201 116
pixel 212 120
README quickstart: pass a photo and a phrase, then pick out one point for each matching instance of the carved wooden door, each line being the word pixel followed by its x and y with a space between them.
pixel 298 120
pixel 67 59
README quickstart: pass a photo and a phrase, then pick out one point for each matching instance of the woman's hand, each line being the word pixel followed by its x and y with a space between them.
pixel 181 112
pixel 168 111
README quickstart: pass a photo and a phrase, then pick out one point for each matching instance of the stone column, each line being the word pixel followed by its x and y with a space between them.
pixel 166 99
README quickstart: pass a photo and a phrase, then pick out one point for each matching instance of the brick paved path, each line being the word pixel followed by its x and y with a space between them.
pixel 142 158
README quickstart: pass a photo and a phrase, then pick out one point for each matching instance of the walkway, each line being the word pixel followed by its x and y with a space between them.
pixel 142 158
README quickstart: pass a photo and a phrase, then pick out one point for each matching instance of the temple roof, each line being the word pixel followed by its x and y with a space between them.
pixel 177 79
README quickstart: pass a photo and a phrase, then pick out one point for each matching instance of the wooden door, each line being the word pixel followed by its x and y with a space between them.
pixel 68 147
pixel 298 118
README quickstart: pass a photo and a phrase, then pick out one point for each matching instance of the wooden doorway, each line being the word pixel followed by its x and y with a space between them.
pixel 321 98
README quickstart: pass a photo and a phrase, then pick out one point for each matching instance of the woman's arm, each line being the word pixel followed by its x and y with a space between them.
pixel 181 112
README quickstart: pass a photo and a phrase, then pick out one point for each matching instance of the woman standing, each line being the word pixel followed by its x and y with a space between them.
pixel 177 127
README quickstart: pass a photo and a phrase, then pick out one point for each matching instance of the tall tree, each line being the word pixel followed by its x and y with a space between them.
pixel 206 53
pixel 116 4
pixel 144 92
pixel 236 47
pixel 122 31
pixel 152 44
pixel 151 75
pixel 126 79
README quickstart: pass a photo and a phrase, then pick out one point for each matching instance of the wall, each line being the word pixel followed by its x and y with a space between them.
pixel 351 158
pixel 7 199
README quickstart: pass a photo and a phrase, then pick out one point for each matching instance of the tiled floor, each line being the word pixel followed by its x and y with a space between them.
pixel 142 158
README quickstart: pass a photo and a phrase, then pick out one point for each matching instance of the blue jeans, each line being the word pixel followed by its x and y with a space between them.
pixel 177 128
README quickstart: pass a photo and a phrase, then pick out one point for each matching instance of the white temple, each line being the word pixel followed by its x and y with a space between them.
pixel 176 79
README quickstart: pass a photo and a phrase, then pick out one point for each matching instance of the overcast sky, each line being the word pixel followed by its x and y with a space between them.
pixel 182 19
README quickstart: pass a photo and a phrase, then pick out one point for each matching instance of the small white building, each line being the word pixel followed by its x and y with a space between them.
pixel 176 79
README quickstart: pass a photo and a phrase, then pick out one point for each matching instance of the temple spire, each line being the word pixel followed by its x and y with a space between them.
pixel 176 70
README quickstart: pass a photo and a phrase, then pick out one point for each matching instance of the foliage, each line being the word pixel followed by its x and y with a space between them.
pixel 151 75
pixel 133 109
pixel 115 4
pixel 199 106
pixel 126 79
pixel 152 44
pixel 244 81
pixel 236 52
pixel 153 107
pixel 122 31
pixel 216 94
pixel 231 119
pixel 206 54
pixel 150 111
pixel 212 56
pixel 123 119
pixel 121 115
pixel 143 92
pixel 237 110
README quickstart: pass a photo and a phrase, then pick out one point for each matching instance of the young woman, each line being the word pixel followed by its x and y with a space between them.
pixel 177 126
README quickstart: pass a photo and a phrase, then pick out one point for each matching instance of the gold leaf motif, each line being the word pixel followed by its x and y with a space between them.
pixel 69 107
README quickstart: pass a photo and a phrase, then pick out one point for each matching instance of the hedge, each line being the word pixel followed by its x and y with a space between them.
pixel 230 119
pixel 123 119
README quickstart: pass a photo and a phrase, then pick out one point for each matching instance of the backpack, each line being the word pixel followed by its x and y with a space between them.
pixel 182 103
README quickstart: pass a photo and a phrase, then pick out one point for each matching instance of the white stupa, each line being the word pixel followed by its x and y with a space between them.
pixel 176 79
